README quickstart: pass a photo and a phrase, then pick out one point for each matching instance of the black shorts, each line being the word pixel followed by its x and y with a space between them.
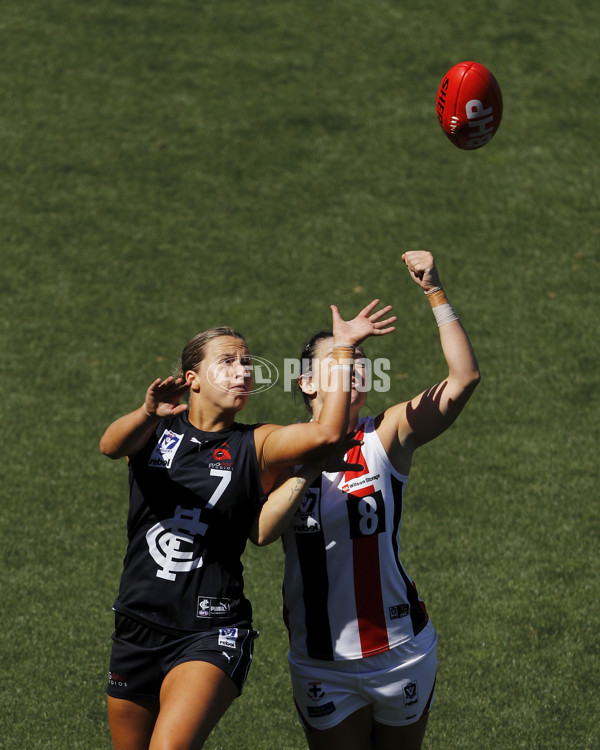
pixel 142 656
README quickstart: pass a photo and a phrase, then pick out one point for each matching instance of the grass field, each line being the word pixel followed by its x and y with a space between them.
pixel 171 165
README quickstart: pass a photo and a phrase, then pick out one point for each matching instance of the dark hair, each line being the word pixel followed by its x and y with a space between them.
pixel 308 354
pixel 195 349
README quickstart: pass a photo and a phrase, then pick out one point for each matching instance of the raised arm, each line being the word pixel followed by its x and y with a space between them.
pixel 281 505
pixel 431 412
pixel 283 501
pixel 128 434
pixel 278 447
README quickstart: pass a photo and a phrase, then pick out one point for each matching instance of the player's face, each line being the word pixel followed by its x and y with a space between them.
pixel 323 363
pixel 225 373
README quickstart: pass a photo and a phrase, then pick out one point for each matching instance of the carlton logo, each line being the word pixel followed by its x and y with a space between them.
pixel 171 543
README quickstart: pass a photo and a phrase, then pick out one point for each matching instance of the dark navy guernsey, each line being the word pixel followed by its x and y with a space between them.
pixel 193 498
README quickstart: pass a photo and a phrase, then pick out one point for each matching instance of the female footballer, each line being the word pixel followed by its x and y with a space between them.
pixel 362 647
pixel 183 638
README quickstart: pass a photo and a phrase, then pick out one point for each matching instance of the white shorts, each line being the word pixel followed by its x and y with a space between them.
pixel 398 684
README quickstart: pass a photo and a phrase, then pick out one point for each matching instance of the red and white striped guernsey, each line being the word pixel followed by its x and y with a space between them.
pixel 346 594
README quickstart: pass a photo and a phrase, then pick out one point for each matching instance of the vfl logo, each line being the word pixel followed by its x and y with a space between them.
pixel 305 520
pixel 170 543
pixel 411 694
pixel 228 637
pixel 165 450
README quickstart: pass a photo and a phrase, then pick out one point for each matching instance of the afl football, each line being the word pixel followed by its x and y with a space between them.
pixel 469 105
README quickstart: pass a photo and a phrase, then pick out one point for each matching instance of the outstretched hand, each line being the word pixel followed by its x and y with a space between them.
pixel 366 323
pixel 422 268
pixel 163 396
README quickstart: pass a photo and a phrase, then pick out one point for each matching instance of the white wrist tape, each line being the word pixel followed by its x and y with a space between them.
pixel 444 314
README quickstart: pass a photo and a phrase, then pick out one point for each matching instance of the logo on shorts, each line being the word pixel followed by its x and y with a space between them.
pixel 165 450
pixel 118 680
pixel 400 610
pixel 314 692
pixel 411 694
pixel 228 637
pixel 316 711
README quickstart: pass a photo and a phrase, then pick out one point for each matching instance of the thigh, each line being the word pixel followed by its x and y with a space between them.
pixel 230 649
pixel 193 697
pixel 408 737
pixel 353 733
pixel 131 723
pixel 133 686
pixel 135 671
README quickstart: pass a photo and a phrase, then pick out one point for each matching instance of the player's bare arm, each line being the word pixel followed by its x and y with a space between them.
pixel 406 426
pixel 283 501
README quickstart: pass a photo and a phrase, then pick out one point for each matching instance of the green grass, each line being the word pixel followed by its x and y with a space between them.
pixel 168 166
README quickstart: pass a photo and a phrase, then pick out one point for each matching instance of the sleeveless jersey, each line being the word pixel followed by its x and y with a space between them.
pixel 346 594
pixel 193 498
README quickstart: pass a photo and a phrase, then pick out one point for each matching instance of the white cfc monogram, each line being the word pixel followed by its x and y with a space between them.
pixel 168 539
pixel 170 542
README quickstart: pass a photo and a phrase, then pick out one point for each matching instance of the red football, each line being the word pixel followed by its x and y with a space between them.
pixel 469 105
